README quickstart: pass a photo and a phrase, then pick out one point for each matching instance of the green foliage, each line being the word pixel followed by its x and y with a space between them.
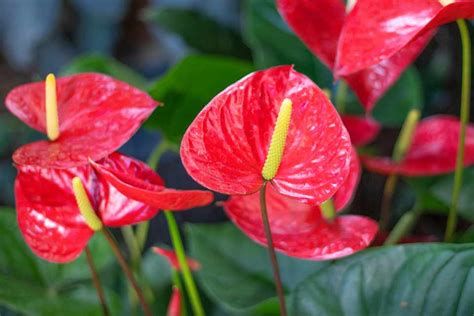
pixel 188 87
pixel 424 279
pixel 199 31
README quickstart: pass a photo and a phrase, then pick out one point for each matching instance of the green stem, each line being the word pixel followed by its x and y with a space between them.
pixel 97 283
pixel 125 268
pixel 465 107
pixel 271 250
pixel 156 154
pixel 142 234
pixel 388 191
pixel 132 245
pixel 404 225
pixel 341 96
pixel 183 264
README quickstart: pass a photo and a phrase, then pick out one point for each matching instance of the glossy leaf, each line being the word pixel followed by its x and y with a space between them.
pixel 185 90
pixel 377 30
pixel 229 257
pixel 194 26
pixel 225 147
pixel 92 108
pixel 401 280
pixel 432 151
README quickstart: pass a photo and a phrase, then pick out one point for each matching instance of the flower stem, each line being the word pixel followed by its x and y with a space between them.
pixel 388 191
pixel 128 273
pixel 177 283
pixel 132 245
pixel 404 225
pixel 271 250
pixel 341 96
pixel 96 281
pixel 183 264
pixel 464 117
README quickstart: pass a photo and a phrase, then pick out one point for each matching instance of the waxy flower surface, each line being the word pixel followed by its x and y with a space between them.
pixel 362 129
pixel 226 146
pixel 377 31
pixel 432 151
pixel 299 229
pixel 319 25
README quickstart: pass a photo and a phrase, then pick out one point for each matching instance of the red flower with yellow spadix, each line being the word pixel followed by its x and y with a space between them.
pixel 86 117
pixel 320 24
pixel 273 125
pixel 376 31
pixel 303 230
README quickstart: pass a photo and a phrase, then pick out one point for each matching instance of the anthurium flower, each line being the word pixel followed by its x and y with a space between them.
pixel 299 229
pixel 362 129
pixel 319 25
pixel 90 116
pixel 227 146
pixel 377 31
pixel 432 151
pixel 174 307
pixel 47 210
pixel 170 255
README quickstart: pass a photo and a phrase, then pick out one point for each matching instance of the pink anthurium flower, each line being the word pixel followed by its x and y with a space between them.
pixel 174 306
pixel 432 151
pixel 362 129
pixel 170 255
pixel 300 230
pixel 377 31
pixel 226 146
pixel 319 25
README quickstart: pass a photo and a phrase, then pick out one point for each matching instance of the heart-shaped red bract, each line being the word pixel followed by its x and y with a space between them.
pixel 432 152
pixel 225 147
pixel 170 255
pixel 319 24
pixel 298 229
pixel 378 30
pixel 362 129
pixel 97 115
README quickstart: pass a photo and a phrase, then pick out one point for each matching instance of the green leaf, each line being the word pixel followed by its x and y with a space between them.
pixel 236 272
pixel 200 32
pixel 105 65
pixel 273 43
pixel 188 87
pixel 423 279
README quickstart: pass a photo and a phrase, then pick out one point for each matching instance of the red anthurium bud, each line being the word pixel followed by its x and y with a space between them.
pixel 319 24
pixel 378 30
pixel 174 307
pixel 432 151
pixel 298 229
pixel 173 259
pixel 91 109
pixel 226 147
pixel 146 186
pixel 362 129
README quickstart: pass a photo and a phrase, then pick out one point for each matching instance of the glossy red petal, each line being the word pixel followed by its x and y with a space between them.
pixel 362 129
pixel 298 229
pixel 225 147
pixel 47 213
pixel 92 108
pixel 377 30
pixel 347 190
pixel 170 255
pixel 432 152
pixel 174 307
pixel 308 18
pixel 135 180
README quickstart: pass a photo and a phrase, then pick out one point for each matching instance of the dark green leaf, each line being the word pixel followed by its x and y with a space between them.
pixel 105 65
pixel 273 43
pixel 424 279
pixel 200 32
pixel 188 87
pixel 236 272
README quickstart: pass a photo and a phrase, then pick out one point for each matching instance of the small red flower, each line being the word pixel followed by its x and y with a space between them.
pixel 362 129
pixel 96 113
pixel 299 229
pixel 170 255
pixel 226 146
pixel 377 31
pixel 174 307
pixel 319 25
pixel 432 152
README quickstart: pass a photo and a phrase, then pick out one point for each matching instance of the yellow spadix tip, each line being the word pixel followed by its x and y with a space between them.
pixel 446 2
pixel 52 119
pixel 85 206
pixel 278 141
